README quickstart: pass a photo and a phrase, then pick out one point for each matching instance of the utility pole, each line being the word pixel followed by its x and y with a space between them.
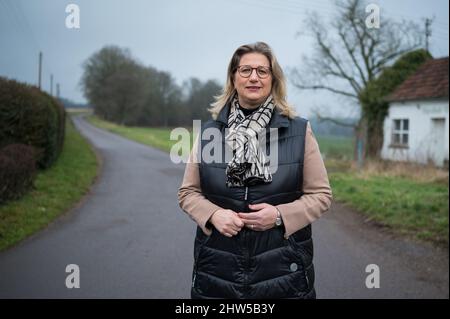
pixel 57 90
pixel 51 84
pixel 40 70
pixel 427 31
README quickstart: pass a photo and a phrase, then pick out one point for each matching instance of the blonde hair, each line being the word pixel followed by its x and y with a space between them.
pixel 278 80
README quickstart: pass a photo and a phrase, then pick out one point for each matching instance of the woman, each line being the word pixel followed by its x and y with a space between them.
pixel 254 234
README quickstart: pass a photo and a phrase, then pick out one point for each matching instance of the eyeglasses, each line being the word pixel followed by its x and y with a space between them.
pixel 246 70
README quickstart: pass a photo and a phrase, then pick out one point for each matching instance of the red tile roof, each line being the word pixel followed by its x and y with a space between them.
pixel 429 81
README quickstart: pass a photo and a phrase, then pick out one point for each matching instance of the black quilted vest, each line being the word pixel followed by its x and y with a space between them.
pixel 255 264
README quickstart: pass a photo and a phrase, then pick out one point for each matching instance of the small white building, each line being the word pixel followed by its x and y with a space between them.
pixel 416 127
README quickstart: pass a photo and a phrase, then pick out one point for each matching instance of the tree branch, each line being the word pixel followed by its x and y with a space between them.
pixel 352 56
pixel 332 120
pixel 352 17
pixel 324 87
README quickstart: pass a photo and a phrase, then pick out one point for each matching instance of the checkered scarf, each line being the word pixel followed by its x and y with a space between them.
pixel 248 165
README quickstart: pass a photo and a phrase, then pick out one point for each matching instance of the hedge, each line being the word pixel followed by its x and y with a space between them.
pixel 31 117
pixel 17 171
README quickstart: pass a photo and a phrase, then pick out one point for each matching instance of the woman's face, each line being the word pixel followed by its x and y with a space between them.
pixel 252 91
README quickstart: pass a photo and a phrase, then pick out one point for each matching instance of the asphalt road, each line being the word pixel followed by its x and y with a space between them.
pixel 130 239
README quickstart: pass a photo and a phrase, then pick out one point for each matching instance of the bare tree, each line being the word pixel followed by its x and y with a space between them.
pixel 347 60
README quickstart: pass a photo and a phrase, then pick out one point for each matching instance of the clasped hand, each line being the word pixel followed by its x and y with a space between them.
pixel 229 223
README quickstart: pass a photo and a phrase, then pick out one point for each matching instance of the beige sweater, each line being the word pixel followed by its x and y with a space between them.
pixel 296 215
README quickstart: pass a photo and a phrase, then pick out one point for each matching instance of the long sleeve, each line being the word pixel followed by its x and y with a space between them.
pixel 190 197
pixel 296 215
pixel 316 188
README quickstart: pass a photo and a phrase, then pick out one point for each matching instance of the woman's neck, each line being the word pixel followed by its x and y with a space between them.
pixel 247 111
pixel 248 106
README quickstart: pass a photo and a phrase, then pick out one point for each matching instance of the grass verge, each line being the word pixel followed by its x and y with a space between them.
pixel 407 206
pixel 56 190
pixel 156 137
pixel 335 147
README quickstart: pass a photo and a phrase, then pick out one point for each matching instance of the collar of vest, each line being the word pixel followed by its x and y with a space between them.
pixel 277 119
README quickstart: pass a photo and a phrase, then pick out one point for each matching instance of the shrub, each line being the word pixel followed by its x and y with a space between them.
pixel 17 171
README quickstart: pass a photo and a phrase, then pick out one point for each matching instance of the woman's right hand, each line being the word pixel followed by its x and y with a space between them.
pixel 227 222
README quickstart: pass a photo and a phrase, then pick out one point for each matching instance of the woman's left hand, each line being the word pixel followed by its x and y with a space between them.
pixel 262 219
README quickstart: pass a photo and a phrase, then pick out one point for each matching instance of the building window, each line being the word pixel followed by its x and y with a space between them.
pixel 400 133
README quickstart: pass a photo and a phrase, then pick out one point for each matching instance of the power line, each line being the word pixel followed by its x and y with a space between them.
pixel 262 5
pixel 21 22
pixel 443 25
pixel 444 33
pixel 308 5
pixel 440 37
pixel 21 12
pixel 278 7
pixel 4 13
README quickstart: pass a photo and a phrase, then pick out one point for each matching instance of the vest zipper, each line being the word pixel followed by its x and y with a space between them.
pixel 246 255
pixel 246 251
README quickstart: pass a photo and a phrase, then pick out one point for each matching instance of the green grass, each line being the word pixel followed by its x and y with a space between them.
pixel 336 147
pixel 156 137
pixel 406 206
pixel 56 190
pixel 76 111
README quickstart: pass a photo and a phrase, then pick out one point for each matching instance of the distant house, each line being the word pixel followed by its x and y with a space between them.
pixel 416 128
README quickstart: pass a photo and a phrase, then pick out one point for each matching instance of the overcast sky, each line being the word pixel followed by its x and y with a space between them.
pixel 193 38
